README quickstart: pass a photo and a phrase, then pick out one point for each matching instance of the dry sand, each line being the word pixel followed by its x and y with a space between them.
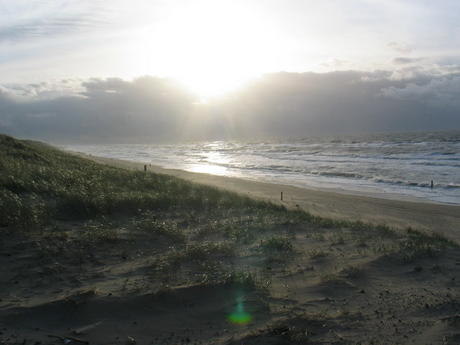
pixel 440 218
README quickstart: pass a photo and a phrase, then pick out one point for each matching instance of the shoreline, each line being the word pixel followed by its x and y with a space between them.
pixel 443 219
pixel 376 174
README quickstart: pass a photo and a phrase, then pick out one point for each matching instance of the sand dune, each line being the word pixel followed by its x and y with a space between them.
pixel 131 258
pixel 443 219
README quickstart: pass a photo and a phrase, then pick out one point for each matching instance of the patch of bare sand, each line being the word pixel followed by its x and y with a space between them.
pixel 190 314
pixel 329 285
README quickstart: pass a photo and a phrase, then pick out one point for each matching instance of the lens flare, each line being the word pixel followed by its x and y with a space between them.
pixel 239 316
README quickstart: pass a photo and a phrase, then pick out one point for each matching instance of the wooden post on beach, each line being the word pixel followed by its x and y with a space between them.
pixel 281 196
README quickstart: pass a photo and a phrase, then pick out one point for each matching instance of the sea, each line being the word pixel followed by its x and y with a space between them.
pixel 395 166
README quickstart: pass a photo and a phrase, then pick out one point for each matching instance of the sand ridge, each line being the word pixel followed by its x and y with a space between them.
pixel 441 218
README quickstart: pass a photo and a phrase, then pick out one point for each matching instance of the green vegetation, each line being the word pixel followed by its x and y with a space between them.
pixel 79 211
pixel 40 184
pixel 420 245
pixel 168 231
pixel 276 244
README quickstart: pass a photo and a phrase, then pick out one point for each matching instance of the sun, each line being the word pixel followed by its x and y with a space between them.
pixel 209 83
pixel 211 47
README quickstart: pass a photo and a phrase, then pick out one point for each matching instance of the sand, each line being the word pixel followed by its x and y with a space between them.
pixel 337 285
pixel 440 218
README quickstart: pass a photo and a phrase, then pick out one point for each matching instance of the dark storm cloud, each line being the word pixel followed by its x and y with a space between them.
pixel 341 102
pixel 440 93
pixel 152 109
pixel 108 110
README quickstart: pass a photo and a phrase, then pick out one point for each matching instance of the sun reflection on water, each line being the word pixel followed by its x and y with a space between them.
pixel 209 169
pixel 212 162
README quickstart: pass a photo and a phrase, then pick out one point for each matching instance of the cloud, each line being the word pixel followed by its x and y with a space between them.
pixel 53 24
pixel 335 63
pixel 439 93
pixel 400 47
pixel 406 60
pixel 30 20
pixel 147 108
pixel 44 90
pixel 151 109
pixel 46 28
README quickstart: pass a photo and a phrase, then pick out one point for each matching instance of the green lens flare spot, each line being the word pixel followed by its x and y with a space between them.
pixel 240 318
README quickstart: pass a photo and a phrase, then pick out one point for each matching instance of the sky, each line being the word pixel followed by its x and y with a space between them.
pixel 148 69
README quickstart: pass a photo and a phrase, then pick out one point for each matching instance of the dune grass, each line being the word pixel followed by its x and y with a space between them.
pixel 73 205
pixel 40 184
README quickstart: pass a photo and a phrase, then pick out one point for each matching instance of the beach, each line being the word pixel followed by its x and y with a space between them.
pixel 99 251
pixel 440 218
pixel 390 166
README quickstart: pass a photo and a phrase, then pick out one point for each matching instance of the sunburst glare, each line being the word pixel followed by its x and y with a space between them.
pixel 214 48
